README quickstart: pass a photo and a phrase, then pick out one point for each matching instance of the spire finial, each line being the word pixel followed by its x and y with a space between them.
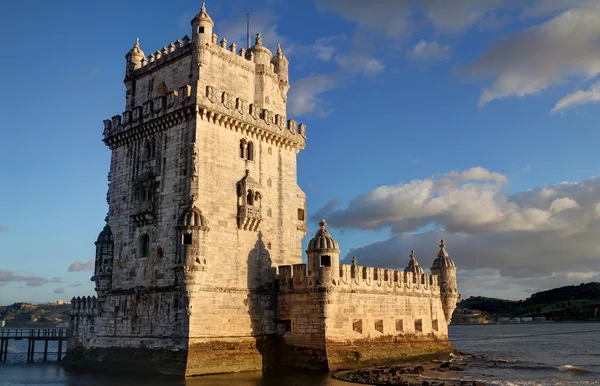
pixel 203 8
pixel 442 252
pixel 258 41
pixel 354 260
pixel 323 224
pixel 442 244
pixel 137 42
pixel 279 49
pixel 413 257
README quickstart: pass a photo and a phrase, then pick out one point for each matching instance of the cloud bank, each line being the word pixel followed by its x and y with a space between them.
pixel 538 233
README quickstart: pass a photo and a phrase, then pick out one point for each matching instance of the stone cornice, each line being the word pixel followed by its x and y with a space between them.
pixel 145 129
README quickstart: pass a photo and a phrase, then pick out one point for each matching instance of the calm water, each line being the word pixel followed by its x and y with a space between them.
pixel 510 355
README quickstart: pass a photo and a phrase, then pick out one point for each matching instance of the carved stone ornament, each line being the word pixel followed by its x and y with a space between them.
pixel 137 113
pixel 158 103
pixel 126 118
pixel 268 116
pixel 210 94
pixel 226 100
pixel 116 121
pixel 241 105
pixel 171 96
pixel 293 126
pixel 280 121
pixel 254 109
pixel 147 109
pixel 184 93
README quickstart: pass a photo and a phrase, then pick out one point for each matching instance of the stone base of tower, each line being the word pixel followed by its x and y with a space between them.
pixel 384 350
pixel 127 360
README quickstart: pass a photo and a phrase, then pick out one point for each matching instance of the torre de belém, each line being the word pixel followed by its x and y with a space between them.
pixel 199 267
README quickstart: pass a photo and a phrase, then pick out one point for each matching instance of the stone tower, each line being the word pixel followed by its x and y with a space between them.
pixel 445 268
pixel 203 207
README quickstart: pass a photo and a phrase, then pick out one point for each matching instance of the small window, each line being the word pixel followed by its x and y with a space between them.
pixel 159 254
pixel 419 325
pixel 434 325
pixel 200 30
pixel 267 100
pixel 357 326
pixel 269 245
pixel 187 239
pixel 250 155
pixel 269 182
pixel 325 261
pixel 269 212
pixel 379 325
pixel 270 151
pixel 287 323
pixel 300 214
pixel 250 198
pixel 242 149
pixel 399 325
pixel 144 245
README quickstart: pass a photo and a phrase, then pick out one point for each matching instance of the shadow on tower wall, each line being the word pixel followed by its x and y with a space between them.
pixel 262 302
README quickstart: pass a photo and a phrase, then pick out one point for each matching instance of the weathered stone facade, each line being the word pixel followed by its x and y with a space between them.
pixel 197 270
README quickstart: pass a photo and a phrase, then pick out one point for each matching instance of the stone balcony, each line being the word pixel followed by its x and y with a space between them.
pixel 249 217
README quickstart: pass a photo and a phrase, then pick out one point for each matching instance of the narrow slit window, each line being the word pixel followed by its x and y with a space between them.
pixel 187 239
pixel 144 245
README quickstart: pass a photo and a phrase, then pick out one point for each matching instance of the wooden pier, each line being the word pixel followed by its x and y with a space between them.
pixel 32 335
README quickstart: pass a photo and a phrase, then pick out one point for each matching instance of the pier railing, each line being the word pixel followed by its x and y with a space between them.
pixel 32 335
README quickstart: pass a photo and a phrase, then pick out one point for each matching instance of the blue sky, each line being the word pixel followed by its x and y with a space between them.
pixel 461 121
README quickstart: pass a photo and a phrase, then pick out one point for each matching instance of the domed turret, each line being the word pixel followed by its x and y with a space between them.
pixel 135 57
pixel 445 268
pixel 413 265
pixel 323 251
pixel 104 260
pixel 262 55
pixel 202 26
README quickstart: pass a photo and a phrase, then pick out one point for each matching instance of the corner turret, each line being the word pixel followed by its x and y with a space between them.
pixel 104 260
pixel 262 55
pixel 445 268
pixel 202 26
pixel 323 252
pixel 413 265
pixel 135 58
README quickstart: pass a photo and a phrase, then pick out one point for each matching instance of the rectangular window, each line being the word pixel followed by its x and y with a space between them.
pixel 379 325
pixel 434 325
pixel 300 214
pixel 419 325
pixel 187 239
pixel 357 326
pixel 399 325
pixel 326 261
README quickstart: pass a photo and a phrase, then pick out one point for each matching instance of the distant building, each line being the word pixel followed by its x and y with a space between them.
pixel 59 302
pixel 503 319
pixel 526 319
pixel 539 318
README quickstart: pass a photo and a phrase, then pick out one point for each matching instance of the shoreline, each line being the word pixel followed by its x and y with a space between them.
pixel 427 373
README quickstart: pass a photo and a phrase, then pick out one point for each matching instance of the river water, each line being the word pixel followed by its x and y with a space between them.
pixel 508 355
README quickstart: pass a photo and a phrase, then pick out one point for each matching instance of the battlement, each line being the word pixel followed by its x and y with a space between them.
pixel 358 278
pixel 163 56
pixel 85 306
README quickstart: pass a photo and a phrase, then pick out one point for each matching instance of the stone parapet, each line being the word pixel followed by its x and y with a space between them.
pixel 358 278
pixel 162 57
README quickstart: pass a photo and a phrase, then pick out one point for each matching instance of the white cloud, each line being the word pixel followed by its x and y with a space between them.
pixel 359 65
pixel 550 230
pixel 429 51
pixel 77 266
pixel 304 93
pixel 578 97
pixel 263 22
pixel 563 48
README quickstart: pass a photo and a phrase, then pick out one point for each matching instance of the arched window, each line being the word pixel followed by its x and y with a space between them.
pixel 250 198
pixel 147 150
pixel 250 155
pixel 144 245
pixel 153 148
pixel 257 199
pixel 242 148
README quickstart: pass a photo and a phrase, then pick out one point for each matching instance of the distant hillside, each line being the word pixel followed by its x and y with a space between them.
pixel 570 303
pixel 34 315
